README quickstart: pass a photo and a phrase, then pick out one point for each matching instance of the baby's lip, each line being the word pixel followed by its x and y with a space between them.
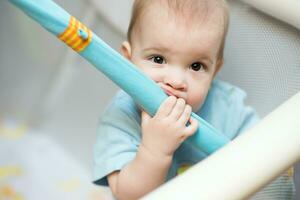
pixel 171 92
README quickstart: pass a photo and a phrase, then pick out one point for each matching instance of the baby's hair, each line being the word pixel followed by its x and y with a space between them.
pixel 185 7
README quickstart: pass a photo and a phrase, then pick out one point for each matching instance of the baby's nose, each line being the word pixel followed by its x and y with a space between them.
pixel 176 80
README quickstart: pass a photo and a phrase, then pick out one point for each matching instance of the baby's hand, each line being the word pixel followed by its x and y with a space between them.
pixel 164 133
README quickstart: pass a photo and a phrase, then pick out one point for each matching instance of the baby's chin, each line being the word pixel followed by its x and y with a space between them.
pixel 196 108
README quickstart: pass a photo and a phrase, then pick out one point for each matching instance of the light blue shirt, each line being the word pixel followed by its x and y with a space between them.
pixel 119 132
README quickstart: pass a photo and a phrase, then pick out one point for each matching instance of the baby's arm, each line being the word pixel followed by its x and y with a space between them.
pixel 143 174
pixel 161 136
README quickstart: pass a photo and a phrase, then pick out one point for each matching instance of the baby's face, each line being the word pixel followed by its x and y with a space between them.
pixel 181 59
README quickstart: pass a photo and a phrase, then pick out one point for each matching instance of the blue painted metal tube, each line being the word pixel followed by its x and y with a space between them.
pixel 143 90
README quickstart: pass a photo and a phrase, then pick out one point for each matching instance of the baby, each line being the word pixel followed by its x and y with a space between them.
pixel 179 44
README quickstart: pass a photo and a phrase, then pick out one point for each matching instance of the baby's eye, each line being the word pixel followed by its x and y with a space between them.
pixel 196 66
pixel 157 59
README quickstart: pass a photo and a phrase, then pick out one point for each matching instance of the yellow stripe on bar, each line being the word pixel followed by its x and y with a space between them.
pixel 69 30
pixel 72 37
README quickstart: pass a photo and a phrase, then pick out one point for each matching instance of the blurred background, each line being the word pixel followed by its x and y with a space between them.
pixel 51 99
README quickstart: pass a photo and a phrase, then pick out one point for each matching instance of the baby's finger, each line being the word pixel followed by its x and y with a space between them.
pixel 184 118
pixel 166 107
pixel 177 110
pixel 192 128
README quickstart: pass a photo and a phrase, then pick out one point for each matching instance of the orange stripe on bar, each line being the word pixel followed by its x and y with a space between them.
pixel 72 37
pixel 77 40
pixel 68 31
pixel 86 43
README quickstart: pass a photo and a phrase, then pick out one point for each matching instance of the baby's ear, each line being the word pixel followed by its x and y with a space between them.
pixel 126 50
pixel 218 66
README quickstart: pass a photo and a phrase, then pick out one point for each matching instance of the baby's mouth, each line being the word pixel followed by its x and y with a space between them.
pixel 171 92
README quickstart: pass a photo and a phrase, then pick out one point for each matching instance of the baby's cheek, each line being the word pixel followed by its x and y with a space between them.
pixel 152 74
pixel 196 101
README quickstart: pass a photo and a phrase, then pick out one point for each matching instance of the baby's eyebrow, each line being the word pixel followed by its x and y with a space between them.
pixel 207 59
pixel 155 48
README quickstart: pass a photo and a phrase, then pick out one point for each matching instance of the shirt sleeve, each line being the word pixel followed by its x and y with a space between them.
pixel 117 140
pixel 244 116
